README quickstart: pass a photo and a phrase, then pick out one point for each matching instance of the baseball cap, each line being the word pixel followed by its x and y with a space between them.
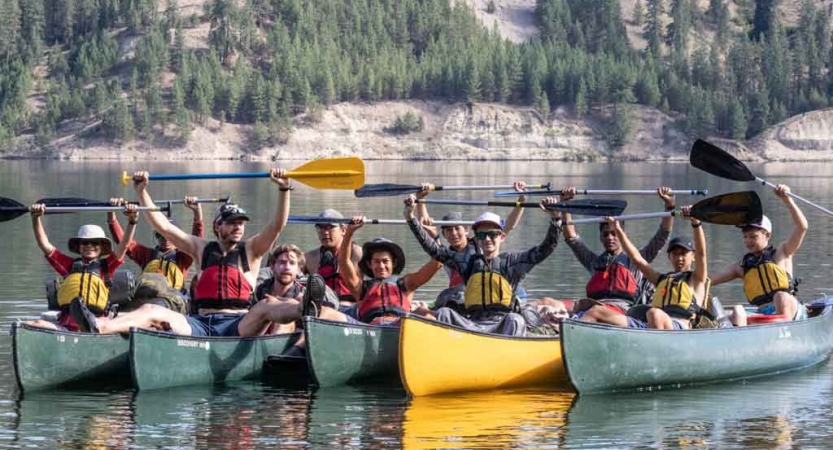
pixel 764 224
pixel 330 214
pixel 488 217
pixel 680 241
pixel 229 211
pixel 454 216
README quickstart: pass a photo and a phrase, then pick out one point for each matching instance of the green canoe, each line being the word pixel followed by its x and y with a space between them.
pixel 342 353
pixel 49 358
pixel 601 358
pixel 161 360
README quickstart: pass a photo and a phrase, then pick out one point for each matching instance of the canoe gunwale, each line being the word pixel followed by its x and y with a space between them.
pixel 167 335
pixel 482 333
pixel 814 322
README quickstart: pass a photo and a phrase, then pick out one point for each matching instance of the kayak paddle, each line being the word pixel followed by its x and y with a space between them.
pixel 735 208
pixel 702 192
pixel 11 209
pixel 330 173
pixel 73 201
pixel 312 220
pixel 393 190
pixel 716 161
pixel 587 207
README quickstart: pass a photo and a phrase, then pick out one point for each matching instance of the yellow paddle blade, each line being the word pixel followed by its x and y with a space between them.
pixel 331 173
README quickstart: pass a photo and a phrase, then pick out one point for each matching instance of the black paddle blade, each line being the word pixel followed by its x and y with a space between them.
pixel 716 161
pixel 735 208
pixel 71 201
pixel 386 190
pixel 11 209
pixel 591 207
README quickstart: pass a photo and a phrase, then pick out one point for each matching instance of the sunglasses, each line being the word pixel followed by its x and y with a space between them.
pixel 482 235
pixel 91 243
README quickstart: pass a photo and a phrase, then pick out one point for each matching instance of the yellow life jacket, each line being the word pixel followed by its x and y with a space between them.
pixel 89 281
pixel 675 296
pixel 486 288
pixel 165 264
pixel 762 277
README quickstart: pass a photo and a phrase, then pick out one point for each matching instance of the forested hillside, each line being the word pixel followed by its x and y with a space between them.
pixel 124 68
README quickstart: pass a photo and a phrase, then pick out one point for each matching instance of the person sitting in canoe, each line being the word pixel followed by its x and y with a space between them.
pixel 164 258
pixel 382 295
pixel 324 259
pixel 491 277
pixel 228 270
pixel 85 279
pixel 286 262
pixel 616 283
pixel 680 294
pixel 767 271
pixel 458 239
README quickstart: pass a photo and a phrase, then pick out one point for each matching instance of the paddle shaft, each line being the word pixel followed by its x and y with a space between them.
pixel 628 217
pixel 796 196
pixel 479 202
pixel 100 208
pixel 312 220
pixel 483 188
pixel 606 192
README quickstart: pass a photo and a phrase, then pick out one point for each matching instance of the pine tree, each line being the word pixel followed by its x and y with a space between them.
pixel 737 121
pixel 764 10
pixel 221 36
pixel 653 26
pixel 619 128
pixel 638 13
pixel 581 107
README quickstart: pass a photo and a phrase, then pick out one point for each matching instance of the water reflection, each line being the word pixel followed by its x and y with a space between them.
pixel 500 419
pixel 767 413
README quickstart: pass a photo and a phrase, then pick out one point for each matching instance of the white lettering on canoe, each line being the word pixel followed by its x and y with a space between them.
pixel 359 332
pixel 193 344
pixel 61 338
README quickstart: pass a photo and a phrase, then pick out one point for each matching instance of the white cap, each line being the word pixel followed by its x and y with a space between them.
pixel 488 217
pixel 764 224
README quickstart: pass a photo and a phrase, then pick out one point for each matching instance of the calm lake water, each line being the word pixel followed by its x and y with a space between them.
pixel 782 412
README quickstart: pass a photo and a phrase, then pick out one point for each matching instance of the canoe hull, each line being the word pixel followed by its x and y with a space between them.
pixel 161 360
pixel 46 359
pixel 341 353
pixel 600 358
pixel 436 358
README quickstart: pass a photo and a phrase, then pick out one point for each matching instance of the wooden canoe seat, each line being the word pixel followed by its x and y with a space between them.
pixel 764 318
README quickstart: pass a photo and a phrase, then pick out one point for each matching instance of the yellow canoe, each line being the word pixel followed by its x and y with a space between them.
pixel 436 358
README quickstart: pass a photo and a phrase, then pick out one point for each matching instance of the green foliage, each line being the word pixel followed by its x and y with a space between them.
pixel 491 8
pixel 407 123
pixel 619 128
pixel 638 16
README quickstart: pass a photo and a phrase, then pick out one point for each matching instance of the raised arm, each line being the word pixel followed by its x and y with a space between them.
pixel 414 281
pixel 434 249
pixel 517 212
pixel 793 243
pixel 667 196
pixel 701 268
pixel 132 219
pixel 569 229
pixel 422 212
pixel 349 270
pixel 183 241
pixel 113 222
pixel 633 253
pixel 197 226
pixel 732 272
pixel 262 241
pixel 37 211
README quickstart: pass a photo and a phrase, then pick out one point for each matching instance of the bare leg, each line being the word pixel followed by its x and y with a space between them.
pixel 738 316
pixel 601 314
pixel 45 324
pixel 268 311
pixel 147 316
pixel 659 319
pixel 785 304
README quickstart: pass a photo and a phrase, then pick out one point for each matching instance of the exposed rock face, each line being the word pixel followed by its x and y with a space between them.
pixel 478 131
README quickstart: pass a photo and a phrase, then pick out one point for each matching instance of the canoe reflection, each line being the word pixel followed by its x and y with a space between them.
pixel 493 419
pixel 767 413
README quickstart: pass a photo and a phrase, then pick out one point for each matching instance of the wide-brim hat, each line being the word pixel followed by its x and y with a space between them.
pixel 91 233
pixel 384 245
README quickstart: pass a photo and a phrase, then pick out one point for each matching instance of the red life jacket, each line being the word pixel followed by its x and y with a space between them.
pixel 613 280
pixel 328 269
pixel 222 283
pixel 382 298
